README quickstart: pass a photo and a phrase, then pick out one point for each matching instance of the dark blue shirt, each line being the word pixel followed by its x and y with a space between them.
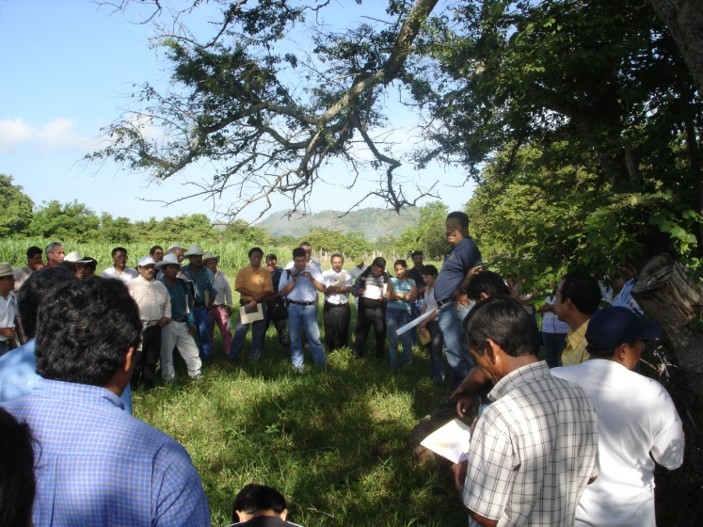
pixel 463 257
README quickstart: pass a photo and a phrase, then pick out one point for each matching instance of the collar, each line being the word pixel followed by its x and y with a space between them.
pixel 73 392
pixel 523 375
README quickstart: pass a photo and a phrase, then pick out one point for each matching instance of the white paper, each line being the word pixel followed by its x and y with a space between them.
pixel 414 322
pixel 450 441
pixel 249 315
pixel 374 292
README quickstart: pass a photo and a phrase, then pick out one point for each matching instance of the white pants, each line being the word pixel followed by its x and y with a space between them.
pixel 175 334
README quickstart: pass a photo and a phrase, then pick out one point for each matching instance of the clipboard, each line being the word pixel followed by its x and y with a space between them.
pixel 247 314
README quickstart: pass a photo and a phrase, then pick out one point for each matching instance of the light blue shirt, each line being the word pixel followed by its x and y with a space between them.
pixel 97 465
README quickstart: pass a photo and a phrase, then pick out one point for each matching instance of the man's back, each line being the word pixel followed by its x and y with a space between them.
pixel 99 466
pixel 636 417
pixel 533 451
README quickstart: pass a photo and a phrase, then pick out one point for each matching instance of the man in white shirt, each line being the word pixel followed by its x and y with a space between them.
pixel 119 268
pixel 154 305
pixel 637 422
pixel 309 260
pixel 300 286
pixel 7 307
pixel 337 313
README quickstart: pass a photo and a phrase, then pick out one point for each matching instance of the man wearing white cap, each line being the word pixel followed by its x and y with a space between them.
pixel 154 305
pixel 205 294
pixel 178 332
pixel 637 422
pixel 7 307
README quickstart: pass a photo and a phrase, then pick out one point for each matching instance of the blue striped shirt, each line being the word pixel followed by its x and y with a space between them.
pixel 97 465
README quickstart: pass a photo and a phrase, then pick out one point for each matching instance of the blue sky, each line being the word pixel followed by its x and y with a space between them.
pixel 68 69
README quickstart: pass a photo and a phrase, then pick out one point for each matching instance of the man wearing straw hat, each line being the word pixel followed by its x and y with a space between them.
pixel 7 307
pixel 154 305
pixel 205 294
pixel 221 309
pixel 179 332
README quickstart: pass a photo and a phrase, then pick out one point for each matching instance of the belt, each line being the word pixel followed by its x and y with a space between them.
pixel 440 303
pixel 295 302
pixel 146 324
pixel 180 319
pixel 336 305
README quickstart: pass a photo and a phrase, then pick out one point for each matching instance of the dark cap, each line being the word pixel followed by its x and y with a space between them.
pixel 613 326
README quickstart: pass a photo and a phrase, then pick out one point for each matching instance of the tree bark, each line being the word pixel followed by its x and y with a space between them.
pixel 684 18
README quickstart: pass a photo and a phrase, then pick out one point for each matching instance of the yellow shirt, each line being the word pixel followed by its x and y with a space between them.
pixel 575 350
pixel 256 281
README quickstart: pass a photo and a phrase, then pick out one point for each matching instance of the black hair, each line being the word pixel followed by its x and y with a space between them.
pixel 255 498
pixel 429 270
pixel 336 255
pixel 33 251
pixel 298 252
pixel 486 282
pixel 33 291
pixel 71 267
pixel 153 249
pixel 84 329
pixel 462 217
pixel 380 261
pixel 90 263
pixel 17 482
pixel 604 353
pixel 583 291
pixel 255 250
pixel 400 262
pixel 505 322
pixel 118 249
pixel 271 256
pixel 416 253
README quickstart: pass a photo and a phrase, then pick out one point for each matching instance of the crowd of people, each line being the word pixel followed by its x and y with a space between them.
pixel 572 440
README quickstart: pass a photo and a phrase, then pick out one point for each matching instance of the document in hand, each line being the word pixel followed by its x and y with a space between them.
pixel 450 441
pixel 247 314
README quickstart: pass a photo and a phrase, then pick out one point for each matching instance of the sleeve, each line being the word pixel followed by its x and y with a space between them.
pixel 283 280
pixel 490 474
pixel 240 280
pixel 227 290
pixel 167 301
pixel 268 286
pixel 669 440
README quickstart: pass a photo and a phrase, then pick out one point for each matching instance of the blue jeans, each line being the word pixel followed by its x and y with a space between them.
pixel 258 331
pixel 451 323
pixel 202 326
pixel 396 318
pixel 304 318
pixel 554 344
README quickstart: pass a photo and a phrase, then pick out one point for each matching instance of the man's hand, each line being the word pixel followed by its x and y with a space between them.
pixel 459 473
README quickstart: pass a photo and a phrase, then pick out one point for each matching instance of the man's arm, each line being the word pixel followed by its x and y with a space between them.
pixel 467 391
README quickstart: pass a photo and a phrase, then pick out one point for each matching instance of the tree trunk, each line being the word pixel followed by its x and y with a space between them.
pixel 684 18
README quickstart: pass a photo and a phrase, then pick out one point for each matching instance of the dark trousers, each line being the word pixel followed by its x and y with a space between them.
pixel 147 358
pixel 336 318
pixel 368 317
pixel 437 369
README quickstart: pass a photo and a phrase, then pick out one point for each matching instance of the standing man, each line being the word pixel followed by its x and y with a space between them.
pixel 156 253
pixel 7 307
pixel 179 332
pixel 300 286
pixel 309 260
pixel 637 421
pixel 371 289
pixel 254 284
pixel 119 268
pixel 99 465
pixel 577 298
pixel 535 448
pixel 337 312
pixel 416 274
pixel 221 309
pixel 277 312
pixel 154 305
pixel 34 263
pixel 459 265
pixel 54 254
pixel 205 294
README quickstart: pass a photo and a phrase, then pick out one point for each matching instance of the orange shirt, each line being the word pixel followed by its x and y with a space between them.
pixel 255 280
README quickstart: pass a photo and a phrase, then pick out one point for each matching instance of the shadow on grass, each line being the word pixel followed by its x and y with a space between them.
pixel 334 443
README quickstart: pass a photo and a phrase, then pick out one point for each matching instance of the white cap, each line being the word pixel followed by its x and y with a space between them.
pixel 146 260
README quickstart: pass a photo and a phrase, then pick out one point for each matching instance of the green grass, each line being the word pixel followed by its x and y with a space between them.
pixel 334 443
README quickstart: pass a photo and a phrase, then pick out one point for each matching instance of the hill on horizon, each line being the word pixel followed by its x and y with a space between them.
pixel 372 222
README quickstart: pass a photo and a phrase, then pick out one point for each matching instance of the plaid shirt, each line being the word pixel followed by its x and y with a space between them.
pixel 575 350
pixel 533 450
pixel 97 465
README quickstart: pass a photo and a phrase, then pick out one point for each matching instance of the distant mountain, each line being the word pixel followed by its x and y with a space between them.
pixel 372 222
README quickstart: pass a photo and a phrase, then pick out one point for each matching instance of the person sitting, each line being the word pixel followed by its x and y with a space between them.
pixel 17 483
pixel 100 466
pixel 260 506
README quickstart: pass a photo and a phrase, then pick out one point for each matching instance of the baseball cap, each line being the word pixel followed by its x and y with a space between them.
pixel 610 327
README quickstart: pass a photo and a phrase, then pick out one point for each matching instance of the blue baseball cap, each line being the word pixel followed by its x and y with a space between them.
pixel 612 326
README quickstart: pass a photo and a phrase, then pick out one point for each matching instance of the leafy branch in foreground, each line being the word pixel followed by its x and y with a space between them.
pixel 267 120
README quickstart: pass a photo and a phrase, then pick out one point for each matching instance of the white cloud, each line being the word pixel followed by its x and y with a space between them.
pixel 57 134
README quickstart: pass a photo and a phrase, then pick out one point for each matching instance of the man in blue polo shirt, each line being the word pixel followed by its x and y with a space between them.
pixel 459 265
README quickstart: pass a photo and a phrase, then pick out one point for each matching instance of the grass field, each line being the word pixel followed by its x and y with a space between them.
pixel 334 443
